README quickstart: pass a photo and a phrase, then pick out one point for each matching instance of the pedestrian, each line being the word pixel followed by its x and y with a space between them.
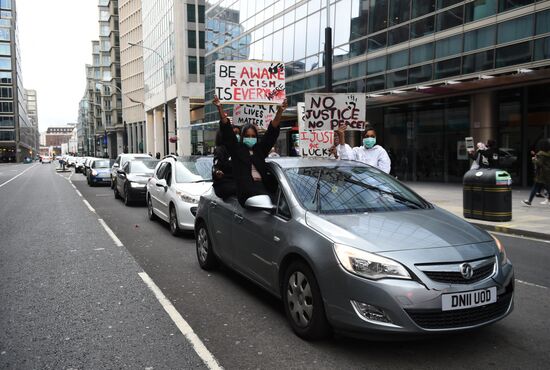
pixel 222 168
pixel 157 156
pixel 150 154
pixel 541 160
pixel 490 156
pixel 476 156
pixel 369 153
pixel 248 154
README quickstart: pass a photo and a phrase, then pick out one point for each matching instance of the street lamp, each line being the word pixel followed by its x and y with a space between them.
pixel 165 118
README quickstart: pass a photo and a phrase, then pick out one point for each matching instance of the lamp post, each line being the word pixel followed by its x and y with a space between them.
pixel 328 52
pixel 165 118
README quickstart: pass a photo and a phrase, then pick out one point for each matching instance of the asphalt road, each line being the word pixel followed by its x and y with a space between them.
pixel 244 327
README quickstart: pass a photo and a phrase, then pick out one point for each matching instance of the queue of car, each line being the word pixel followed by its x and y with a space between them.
pixel 345 247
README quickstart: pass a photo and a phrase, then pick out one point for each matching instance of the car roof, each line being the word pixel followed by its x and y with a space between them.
pixel 293 162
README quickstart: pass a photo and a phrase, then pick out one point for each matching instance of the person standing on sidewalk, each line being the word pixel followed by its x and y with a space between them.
pixel 369 153
pixel 541 160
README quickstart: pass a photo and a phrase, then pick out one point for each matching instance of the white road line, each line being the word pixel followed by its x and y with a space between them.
pixel 199 347
pixel 531 284
pixel 117 241
pixel 79 193
pixel 88 205
pixel 520 237
pixel 16 176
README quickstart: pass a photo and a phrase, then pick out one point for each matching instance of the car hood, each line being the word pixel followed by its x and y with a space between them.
pixel 399 230
pixel 195 189
pixel 139 178
pixel 101 170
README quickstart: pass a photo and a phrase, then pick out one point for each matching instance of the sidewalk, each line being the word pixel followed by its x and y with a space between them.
pixel 531 221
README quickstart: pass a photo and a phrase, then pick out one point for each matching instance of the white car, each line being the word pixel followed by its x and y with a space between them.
pixel 174 191
pixel 46 159
pixel 121 160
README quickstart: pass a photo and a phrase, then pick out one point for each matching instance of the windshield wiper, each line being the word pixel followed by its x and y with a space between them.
pixel 398 197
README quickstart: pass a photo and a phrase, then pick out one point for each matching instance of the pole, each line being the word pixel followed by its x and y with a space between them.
pixel 328 52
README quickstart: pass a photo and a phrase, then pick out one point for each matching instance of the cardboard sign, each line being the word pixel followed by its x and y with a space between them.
pixel 256 114
pixel 328 111
pixel 301 112
pixel 250 81
pixel 316 143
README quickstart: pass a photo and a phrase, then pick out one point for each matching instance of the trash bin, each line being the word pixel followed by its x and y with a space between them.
pixel 487 195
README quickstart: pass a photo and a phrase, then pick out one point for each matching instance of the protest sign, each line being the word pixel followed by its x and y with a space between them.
pixel 316 143
pixel 250 81
pixel 260 115
pixel 328 111
pixel 301 111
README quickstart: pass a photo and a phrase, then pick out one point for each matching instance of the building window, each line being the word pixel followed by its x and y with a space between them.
pixel 479 9
pixel 422 7
pixel 504 5
pixel 515 29
pixel 376 83
pixel 5 34
pixel 480 38
pixel 543 22
pixel 398 35
pixel 398 60
pixel 422 27
pixel 378 15
pixel 7 122
pixel 478 62
pixel 422 53
pixel 542 49
pixel 399 11
pixel 420 74
pixel 449 46
pixel 377 42
pixel 447 68
pixel 5 4
pixel 191 13
pixel 6 93
pixel 191 39
pixel 192 65
pixel 450 18
pixel 5 49
pixel 396 79
pixel 376 65
pixel 513 54
pixel 7 135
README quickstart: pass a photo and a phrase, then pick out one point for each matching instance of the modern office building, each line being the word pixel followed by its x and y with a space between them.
pixel 17 133
pixel 434 71
pixel 131 70
pixel 32 113
pixel 173 62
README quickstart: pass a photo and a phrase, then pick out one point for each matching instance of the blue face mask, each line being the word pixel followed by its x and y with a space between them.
pixel 250 141
pixel 238 137
pixel 369 142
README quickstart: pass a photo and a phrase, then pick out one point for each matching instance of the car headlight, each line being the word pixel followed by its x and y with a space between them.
pixel 501 251
pixel 137 185
pixel 187 198
pixel 94 173
pixel 368 265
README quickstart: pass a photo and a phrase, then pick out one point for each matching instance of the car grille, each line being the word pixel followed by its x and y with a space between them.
pixel 452 277
pixel 437 319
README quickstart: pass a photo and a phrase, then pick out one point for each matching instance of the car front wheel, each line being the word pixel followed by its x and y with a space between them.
pixel 174 225
pixel 150 211
pixel 303 302
pixel 127 201
pixel 205 254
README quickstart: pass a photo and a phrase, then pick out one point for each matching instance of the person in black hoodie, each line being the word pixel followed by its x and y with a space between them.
pixel 222 168
pixel 248 154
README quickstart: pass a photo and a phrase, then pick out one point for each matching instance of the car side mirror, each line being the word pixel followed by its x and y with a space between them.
pixel 260 202
pixel 162 183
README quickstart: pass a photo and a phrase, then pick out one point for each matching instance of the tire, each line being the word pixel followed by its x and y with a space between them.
pixel 303 302
pixel 117 194
pixel 173 220
pixel 127 201
pixel 112 182
pixel 150 212
pixel 205 252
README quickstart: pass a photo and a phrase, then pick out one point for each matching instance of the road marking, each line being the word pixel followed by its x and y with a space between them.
pixel 520 237
pixel 79 193
pixel 99 249
pixel 199 347
pixel 531 284
pixel 88 205
pixel 16 176
pixel 117 241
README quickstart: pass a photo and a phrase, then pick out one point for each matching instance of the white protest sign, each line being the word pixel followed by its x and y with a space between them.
pixel 301 111
pixel 328 111
pixel 250 81
pixel 316 143
pixel 260 115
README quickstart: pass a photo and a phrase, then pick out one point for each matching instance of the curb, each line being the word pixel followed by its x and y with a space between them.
pixel 512 231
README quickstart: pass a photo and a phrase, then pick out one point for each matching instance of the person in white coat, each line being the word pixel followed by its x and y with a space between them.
pixel 369 153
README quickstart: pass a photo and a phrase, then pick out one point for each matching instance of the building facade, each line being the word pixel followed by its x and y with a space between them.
pixel 434 71
pixel 131 70
pixel 18 135
pixel 32 113
pixel 57 137
pixel 173 61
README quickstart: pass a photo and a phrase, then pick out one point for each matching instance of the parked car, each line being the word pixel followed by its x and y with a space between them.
pixel 98 172
pixel 70 161
pixel 87 164
pixel 46 159
pixel 349 248
pixel 120 161
pixel 131 180
pixel 79 164
pixel 174 191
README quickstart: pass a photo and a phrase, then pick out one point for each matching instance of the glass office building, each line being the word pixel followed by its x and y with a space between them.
pixel 434 71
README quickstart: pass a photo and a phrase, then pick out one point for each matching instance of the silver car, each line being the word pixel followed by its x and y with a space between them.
pixel 349 248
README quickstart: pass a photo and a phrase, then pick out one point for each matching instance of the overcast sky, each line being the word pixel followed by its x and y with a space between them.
pixel 56 43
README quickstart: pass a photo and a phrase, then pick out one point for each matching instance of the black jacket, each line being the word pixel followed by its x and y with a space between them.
pixel 225 186
pixel 243 160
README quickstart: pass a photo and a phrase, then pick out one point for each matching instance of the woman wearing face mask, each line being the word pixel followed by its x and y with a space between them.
pixel 222 168
pixel 369 153
pixel 248 154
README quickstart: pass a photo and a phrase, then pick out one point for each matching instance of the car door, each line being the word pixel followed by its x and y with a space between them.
pixel 220 218
pixel 163 195
pixel 252 241
pixel 115 169
pixel 152 187
pixel 121 178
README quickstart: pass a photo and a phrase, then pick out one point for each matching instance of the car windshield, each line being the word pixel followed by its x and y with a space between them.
pixel 101 164
pixel 142 166
pixel 350 189
pixel 194 170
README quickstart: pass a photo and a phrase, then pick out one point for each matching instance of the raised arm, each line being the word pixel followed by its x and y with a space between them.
pixel 270 137
pixel 280 109
pixel 228 136
pixel 343 150
pixel 218 104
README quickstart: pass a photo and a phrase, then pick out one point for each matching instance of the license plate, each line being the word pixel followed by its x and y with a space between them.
pixel 475 298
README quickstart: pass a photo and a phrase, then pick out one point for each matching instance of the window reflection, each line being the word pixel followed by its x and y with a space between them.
pixel 515 29
pixel 447 68
pixel 450 18
pixel 398 35
pixel 422 53
pixel 479 9
pixel 377 42
pixel 422 27
pixel 513 54
pixel 378 15
pixel 479 38
pixel 449 46
pixel 478 62
pixel 420 74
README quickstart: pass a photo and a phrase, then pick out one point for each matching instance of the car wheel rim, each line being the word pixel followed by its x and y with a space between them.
pixel 202 243
pixel 173 220
pixel 299 299
pixel 149 207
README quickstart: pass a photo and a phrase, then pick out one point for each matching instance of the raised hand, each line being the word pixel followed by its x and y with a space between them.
pixel 216 101
pixel 283 106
